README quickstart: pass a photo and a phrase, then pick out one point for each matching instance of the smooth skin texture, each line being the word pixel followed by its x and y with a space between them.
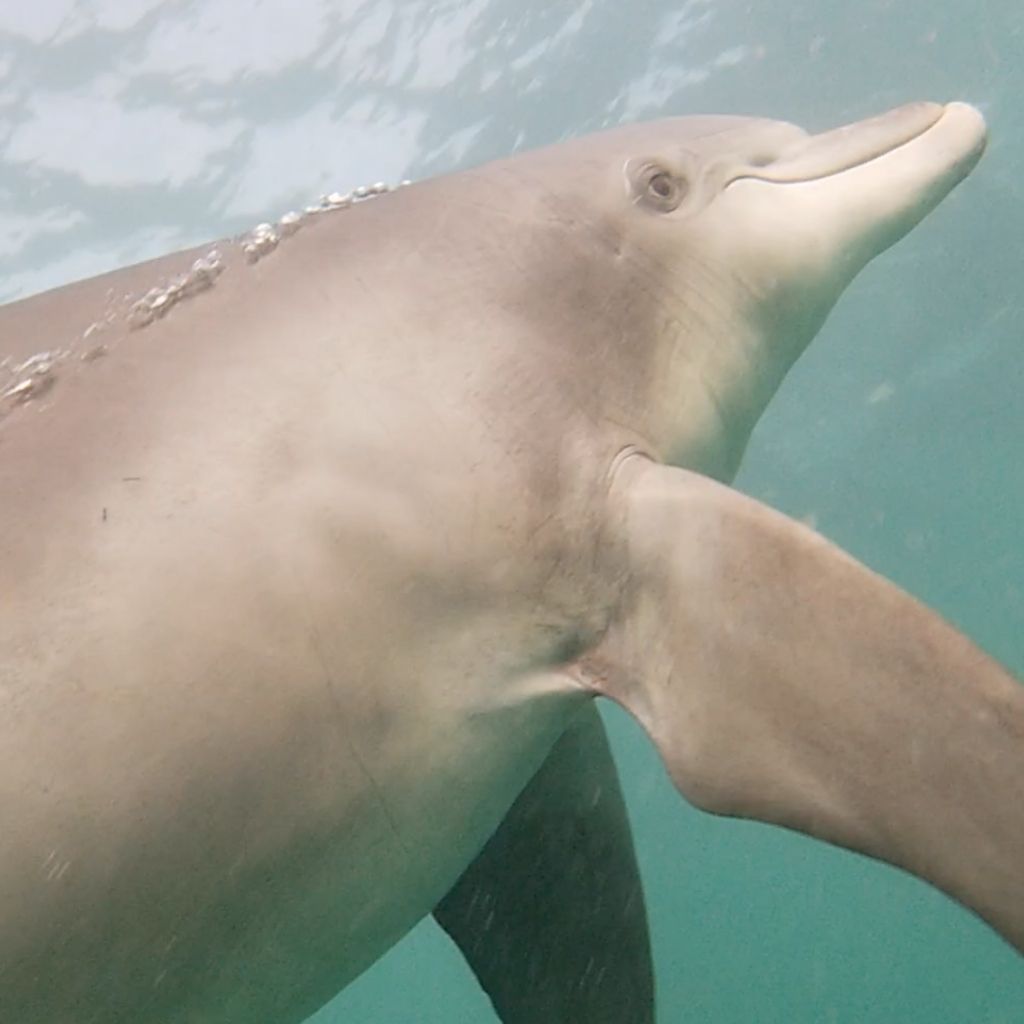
pixel 304 581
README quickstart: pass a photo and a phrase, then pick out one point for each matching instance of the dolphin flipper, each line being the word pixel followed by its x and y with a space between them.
pixel 783 681
pixel 550 915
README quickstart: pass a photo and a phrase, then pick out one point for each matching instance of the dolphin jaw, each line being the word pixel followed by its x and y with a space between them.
pixel 956 126
pixel 817 232
pixel 794 245
pixel 842 149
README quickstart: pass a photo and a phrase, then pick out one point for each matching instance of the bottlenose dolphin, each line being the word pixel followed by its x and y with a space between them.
pixel 317 546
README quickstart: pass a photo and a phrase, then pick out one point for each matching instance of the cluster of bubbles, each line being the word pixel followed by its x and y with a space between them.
pixel 36 375
pixel 157 301
pixel 264 238
pixel 32 378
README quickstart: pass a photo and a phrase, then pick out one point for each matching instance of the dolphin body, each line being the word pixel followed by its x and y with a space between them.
pixel 314 558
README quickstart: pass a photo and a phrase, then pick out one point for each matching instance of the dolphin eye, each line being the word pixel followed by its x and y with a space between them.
pixel 661 185
pixel 658 188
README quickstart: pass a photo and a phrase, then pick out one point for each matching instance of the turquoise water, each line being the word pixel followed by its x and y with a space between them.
pixel 132 127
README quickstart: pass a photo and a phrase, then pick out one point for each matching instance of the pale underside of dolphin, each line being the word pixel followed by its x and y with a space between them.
pixel 314 556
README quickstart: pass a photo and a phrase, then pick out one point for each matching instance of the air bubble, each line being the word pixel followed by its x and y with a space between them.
pixel 157 301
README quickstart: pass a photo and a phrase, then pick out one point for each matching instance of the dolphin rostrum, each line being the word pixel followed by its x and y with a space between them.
pixel 316 546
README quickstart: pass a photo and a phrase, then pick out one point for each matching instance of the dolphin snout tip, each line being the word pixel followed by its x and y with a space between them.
pixel 970 115
pixel 963 128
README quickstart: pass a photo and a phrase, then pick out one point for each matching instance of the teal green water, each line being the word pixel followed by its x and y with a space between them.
pixel 131 127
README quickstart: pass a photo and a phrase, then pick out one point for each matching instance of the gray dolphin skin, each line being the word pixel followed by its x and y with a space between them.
pixel 315 555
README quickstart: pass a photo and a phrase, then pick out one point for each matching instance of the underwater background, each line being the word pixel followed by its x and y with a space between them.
pixel 129 128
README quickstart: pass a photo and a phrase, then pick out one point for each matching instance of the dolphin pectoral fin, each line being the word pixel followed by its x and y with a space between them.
pixel 783 681
pixel 550 915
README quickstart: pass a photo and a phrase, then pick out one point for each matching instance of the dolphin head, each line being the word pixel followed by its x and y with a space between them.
pixel 735 237
pixel 798 216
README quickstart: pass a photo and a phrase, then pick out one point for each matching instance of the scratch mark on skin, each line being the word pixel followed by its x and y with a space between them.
pixel 57 867
pixel 329 685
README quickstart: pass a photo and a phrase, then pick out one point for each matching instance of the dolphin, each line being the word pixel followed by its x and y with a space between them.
pixel 317 548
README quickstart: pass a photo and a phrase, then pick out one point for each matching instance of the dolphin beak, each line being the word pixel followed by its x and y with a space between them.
pixel 841 198
pixel 955 126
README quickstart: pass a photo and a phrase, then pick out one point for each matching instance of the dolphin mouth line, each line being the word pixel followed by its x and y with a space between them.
pixel 851 146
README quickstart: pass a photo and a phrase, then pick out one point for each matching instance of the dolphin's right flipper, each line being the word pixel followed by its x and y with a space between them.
pixel 550 916
pixel 783 681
